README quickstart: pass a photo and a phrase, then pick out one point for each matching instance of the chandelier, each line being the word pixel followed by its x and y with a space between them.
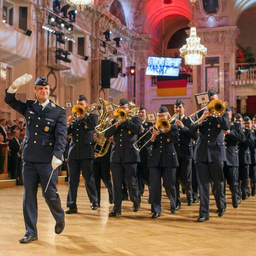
pixel 193 51
pixel 80 4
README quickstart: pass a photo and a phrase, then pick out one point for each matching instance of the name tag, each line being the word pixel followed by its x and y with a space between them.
pixel 48 119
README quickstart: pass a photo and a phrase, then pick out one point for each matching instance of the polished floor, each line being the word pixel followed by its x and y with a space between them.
pixel 93 233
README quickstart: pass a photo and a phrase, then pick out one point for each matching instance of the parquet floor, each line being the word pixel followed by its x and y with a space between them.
pixel 93 233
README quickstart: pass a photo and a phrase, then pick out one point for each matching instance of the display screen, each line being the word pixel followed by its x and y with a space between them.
pixel 162 66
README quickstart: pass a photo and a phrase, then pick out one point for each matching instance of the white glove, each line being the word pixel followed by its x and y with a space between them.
pixel 21 81
pixel 55 162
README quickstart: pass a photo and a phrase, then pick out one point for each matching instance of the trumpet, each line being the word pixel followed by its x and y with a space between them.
pixel 79 111
pixel 162 125
pixel 216 107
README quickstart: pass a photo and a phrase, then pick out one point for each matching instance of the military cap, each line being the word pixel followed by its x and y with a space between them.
pixel 247 119
pixel 228 109
pixel 211 92
pixel 81 97
pixel 123 102
pixel 142 107
pixel 41 81
pixel 179 102
pixel 238 116
pixel 163 110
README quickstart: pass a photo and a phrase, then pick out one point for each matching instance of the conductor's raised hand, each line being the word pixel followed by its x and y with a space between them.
pixel 24 79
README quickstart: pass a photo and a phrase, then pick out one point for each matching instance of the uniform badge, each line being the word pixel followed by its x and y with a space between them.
pixel 53 105
pixel 46 128
pixel 86 127
pixel 146 124
pixel 218 125
pixel 129 132
pixel 168 140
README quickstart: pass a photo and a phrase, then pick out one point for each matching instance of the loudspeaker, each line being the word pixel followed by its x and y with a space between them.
pixel 28 32
pixel 105 73
pixel 113 70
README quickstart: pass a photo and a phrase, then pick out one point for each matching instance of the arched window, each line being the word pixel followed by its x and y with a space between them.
pixel 178 39
pixel 117 10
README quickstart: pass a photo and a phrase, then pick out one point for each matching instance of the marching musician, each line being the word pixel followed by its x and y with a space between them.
pixel 184 151
pixel 253 156
pixel 209 156
pixel 80 157
pixel 124 158
pixel 245 155
pixel 143 170
pixel 232 137
pixel 42 151
pixel 163 163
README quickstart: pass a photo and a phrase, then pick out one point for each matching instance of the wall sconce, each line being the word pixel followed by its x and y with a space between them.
pixel 64 10
pixel 107 34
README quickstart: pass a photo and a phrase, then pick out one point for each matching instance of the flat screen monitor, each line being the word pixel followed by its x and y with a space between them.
pixel 162 66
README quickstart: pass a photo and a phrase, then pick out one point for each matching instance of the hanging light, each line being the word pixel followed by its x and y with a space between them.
pixel 193 51
pixel 80 4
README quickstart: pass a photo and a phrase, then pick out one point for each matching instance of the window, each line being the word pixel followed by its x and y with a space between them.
pixel 70 46
pixel 23 18
pixel 7 16
pixel 80 48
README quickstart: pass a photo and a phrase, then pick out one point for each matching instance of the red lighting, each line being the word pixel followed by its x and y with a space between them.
pixel 132 70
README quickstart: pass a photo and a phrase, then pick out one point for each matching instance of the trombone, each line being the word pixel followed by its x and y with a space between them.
pixel 162 125
pixel 216 107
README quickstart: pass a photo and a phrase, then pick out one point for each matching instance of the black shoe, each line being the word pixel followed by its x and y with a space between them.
pixel 183 191
pixel 71 210
pixel 195 200
pixel 245 196
pixel 156 215
pixel 59 226
pixel 178 206
pixel 221 212
pixel 27 239
pixel 239 201
pixel 111 199
pixel 173 210
pixel 253 191
pixel 190 201
pixel 234 202
pixel 136 207
pixel 202 219
pixel 114 214
pixel 94 206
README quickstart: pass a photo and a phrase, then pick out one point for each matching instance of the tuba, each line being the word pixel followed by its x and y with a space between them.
pixel 102 144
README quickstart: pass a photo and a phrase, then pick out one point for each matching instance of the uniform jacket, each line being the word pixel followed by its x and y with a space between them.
pixel 244 148
pixel 253 148
pixel 163 152
pixel 124 136
pixel 210 146
pixel 146 151
pixel 46 131
pixel 184 147
pixel 231 140
pixel 81 144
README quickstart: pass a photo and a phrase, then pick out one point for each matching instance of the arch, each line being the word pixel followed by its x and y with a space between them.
pixel 117 10
pixel 178 39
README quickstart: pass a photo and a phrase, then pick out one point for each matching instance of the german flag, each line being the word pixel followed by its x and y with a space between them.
pixel 172 86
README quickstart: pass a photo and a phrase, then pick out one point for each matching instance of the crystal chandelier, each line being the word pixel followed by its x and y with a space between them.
pixel 193 51
pixel 80 4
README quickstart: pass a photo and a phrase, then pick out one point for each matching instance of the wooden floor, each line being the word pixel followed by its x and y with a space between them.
pixel 93 233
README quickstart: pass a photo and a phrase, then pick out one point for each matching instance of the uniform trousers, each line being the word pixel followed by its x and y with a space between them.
pixel 232 176
pixel 244 178
pixel 207 172
pixel 86 165
pixel 253 175
pixel 101 170
pixel 184 175
pixel 194 182
pixel 119 170
pixel 143 176
pixel 169 180
pixel 32 174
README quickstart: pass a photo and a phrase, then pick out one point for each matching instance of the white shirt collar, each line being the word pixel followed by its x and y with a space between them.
pixel 45 103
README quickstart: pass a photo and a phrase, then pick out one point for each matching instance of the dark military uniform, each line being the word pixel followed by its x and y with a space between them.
pixel 253 165
pixel 209 156
pixel 80 157
pixel 143 170
pixel 46 134
pixel 232 162
pixel 245 161
pixel 124 159
pixel 184 151
pixel 101 170
pixel 163 163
